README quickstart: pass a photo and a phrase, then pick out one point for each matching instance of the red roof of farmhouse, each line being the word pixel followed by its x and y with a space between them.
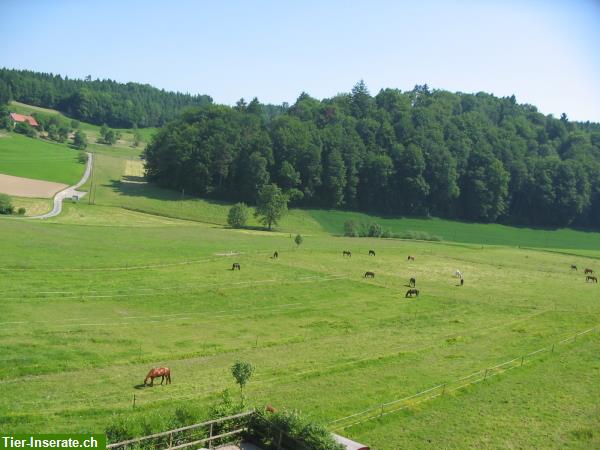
pixel 21 118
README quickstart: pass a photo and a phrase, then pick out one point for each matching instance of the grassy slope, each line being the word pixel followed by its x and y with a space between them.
pixel 39 159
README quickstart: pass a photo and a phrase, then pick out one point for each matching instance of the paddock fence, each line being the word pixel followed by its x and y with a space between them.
pixel 383 409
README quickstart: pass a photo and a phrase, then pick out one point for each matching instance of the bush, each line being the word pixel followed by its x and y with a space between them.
pixel 6 206
pixel 24 128
pixel 80 140
pixel 82 157
pixel 417 235
pixel 374 230
pixel 297 432
pixel 386 234
pixel 350 228
pixel 21 211
pixel 238 215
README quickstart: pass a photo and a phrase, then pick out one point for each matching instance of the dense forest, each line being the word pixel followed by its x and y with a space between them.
pixel 96 101
pixel 422 152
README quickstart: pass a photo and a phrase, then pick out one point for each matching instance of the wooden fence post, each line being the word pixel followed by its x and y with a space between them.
pixel 444 389
pixel 381 414
pixel 522 358
pixel 170 440
pixel 133 401
pixel 210 443
pixel 280 437
pixel 485 376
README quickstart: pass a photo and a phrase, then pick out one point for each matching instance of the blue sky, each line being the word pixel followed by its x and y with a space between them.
pixel 547 53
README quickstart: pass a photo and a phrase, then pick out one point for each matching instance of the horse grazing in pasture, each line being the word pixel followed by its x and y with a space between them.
pixel 371 252
pixel 369 275
pixel 458 274
pixel 591 278
pixel 586 271
pixel 573 267
pixel 412 282
pixel 462 281
pixel 347 253
pixel 275 255
pixel 236 266
pixel 410 258
pixel 163 372
pixel 412 292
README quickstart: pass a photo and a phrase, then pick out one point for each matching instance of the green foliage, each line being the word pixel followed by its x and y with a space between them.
pixel 25 128
pixel 271 205
pixel 351 228
pixel 6 206
pixel 108 136
pixel 238 215
pixel 21 211
pixel 80 140
pixel 75 124
pixel 294 430
pixel 242 371
pixel 298 240
pixel 97 101
pixel 374 230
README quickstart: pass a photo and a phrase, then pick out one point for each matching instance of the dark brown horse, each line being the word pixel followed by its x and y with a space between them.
pixel 347 253
pixel 163 372
pixel 236 266
pixel 410 258
pixel 591 278
pixel 573 267
pixel 369 275
pixel 412 282
pixel 586 271
pixel 371 252
pixel 412 292
pixel 275 255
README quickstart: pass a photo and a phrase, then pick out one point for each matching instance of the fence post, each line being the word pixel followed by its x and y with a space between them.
pixel 485 376
pixel 552 348
pixel 210 442
pixel 170 440
pixel 444 389
pixel 381 414
pixel 133 401
pixel 280 437
pixel 522 358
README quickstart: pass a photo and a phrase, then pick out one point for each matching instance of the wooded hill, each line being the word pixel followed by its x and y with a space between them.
pixel 421 152
pixel 99 102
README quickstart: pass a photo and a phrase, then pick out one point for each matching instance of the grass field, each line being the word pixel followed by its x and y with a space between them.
pixel 95 297
pixel 39 159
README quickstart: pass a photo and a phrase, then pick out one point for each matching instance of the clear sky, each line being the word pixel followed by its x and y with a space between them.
pixel 547 53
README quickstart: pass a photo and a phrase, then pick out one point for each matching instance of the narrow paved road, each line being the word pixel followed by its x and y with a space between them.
pixel 68 192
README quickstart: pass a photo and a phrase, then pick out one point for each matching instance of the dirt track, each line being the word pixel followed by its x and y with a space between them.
pixel 26 187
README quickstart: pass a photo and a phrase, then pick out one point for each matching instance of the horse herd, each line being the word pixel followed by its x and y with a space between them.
pixel 589 273
pixel 165 373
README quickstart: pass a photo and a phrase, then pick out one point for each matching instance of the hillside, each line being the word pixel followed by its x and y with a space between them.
pixel 422 152
pixel 119 105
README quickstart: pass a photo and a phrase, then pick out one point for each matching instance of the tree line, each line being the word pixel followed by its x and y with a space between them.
pixel 421 152
pixel 119 105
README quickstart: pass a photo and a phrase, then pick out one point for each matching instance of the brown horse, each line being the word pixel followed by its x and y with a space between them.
pixel 586 271
pixel 412 282
pixel 236 266
pixel 371 252
pixel 591 278
pixel 163 372
pixel 275 255
pixel 369 275
pixel 410 258
pixel 347 253
pixel 412 292
pixel 573 267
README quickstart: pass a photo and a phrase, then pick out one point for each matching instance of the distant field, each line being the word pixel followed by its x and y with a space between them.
pixel 92 131
pixel 39 159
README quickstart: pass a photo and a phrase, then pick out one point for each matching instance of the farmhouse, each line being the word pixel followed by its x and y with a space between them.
pixel 16 118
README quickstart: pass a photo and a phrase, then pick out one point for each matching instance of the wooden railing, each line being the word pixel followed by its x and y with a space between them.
pixel 171 434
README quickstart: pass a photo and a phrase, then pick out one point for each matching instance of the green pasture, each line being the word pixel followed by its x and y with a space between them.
pixel 95 297
pixel 39 159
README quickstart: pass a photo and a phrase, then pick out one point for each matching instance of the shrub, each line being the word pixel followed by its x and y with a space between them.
pixel 24 128
pixel 386 234
pixel 21 211
pixel 296 431
pixel 80 140
pixel 350 228
pixel 6 206
pixel 417 235
pixel 374 230
pixel 82 157
pixel 298 240
pixel 238 215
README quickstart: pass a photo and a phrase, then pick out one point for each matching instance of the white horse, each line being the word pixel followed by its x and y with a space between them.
pixel 458 274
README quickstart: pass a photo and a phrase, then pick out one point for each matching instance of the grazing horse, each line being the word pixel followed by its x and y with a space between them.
pixel 371 252
pixel 163 372
pixel 458 274
pixel 275 255
pixel 369 275
pixel 412 292
pixel 412 282
pixel 347 253
pixel 591 278
pixel 586 271
pixel 410 258
pixel 236 266
pixel 573 267
pixel 462 281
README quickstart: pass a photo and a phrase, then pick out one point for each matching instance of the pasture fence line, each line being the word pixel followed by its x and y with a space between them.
pixel 394 406
pixel 191 435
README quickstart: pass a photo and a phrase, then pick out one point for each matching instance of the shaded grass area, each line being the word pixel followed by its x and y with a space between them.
pixel 39 159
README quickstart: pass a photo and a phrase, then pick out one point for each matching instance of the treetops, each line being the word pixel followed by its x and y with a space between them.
pixel 421 152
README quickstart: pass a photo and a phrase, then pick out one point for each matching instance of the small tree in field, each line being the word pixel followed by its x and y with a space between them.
pixel 242 371
pixel 271 205
pixel 6 206
pixel 298 240
pixel 80 140
pixel 238 215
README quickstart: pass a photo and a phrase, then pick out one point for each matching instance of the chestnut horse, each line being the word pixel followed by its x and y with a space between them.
pixel 410 258
pixel 369 275
pixel 412 292
pixel 156 372
pixel 586 271
pixel 371 252
pixel 591 278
